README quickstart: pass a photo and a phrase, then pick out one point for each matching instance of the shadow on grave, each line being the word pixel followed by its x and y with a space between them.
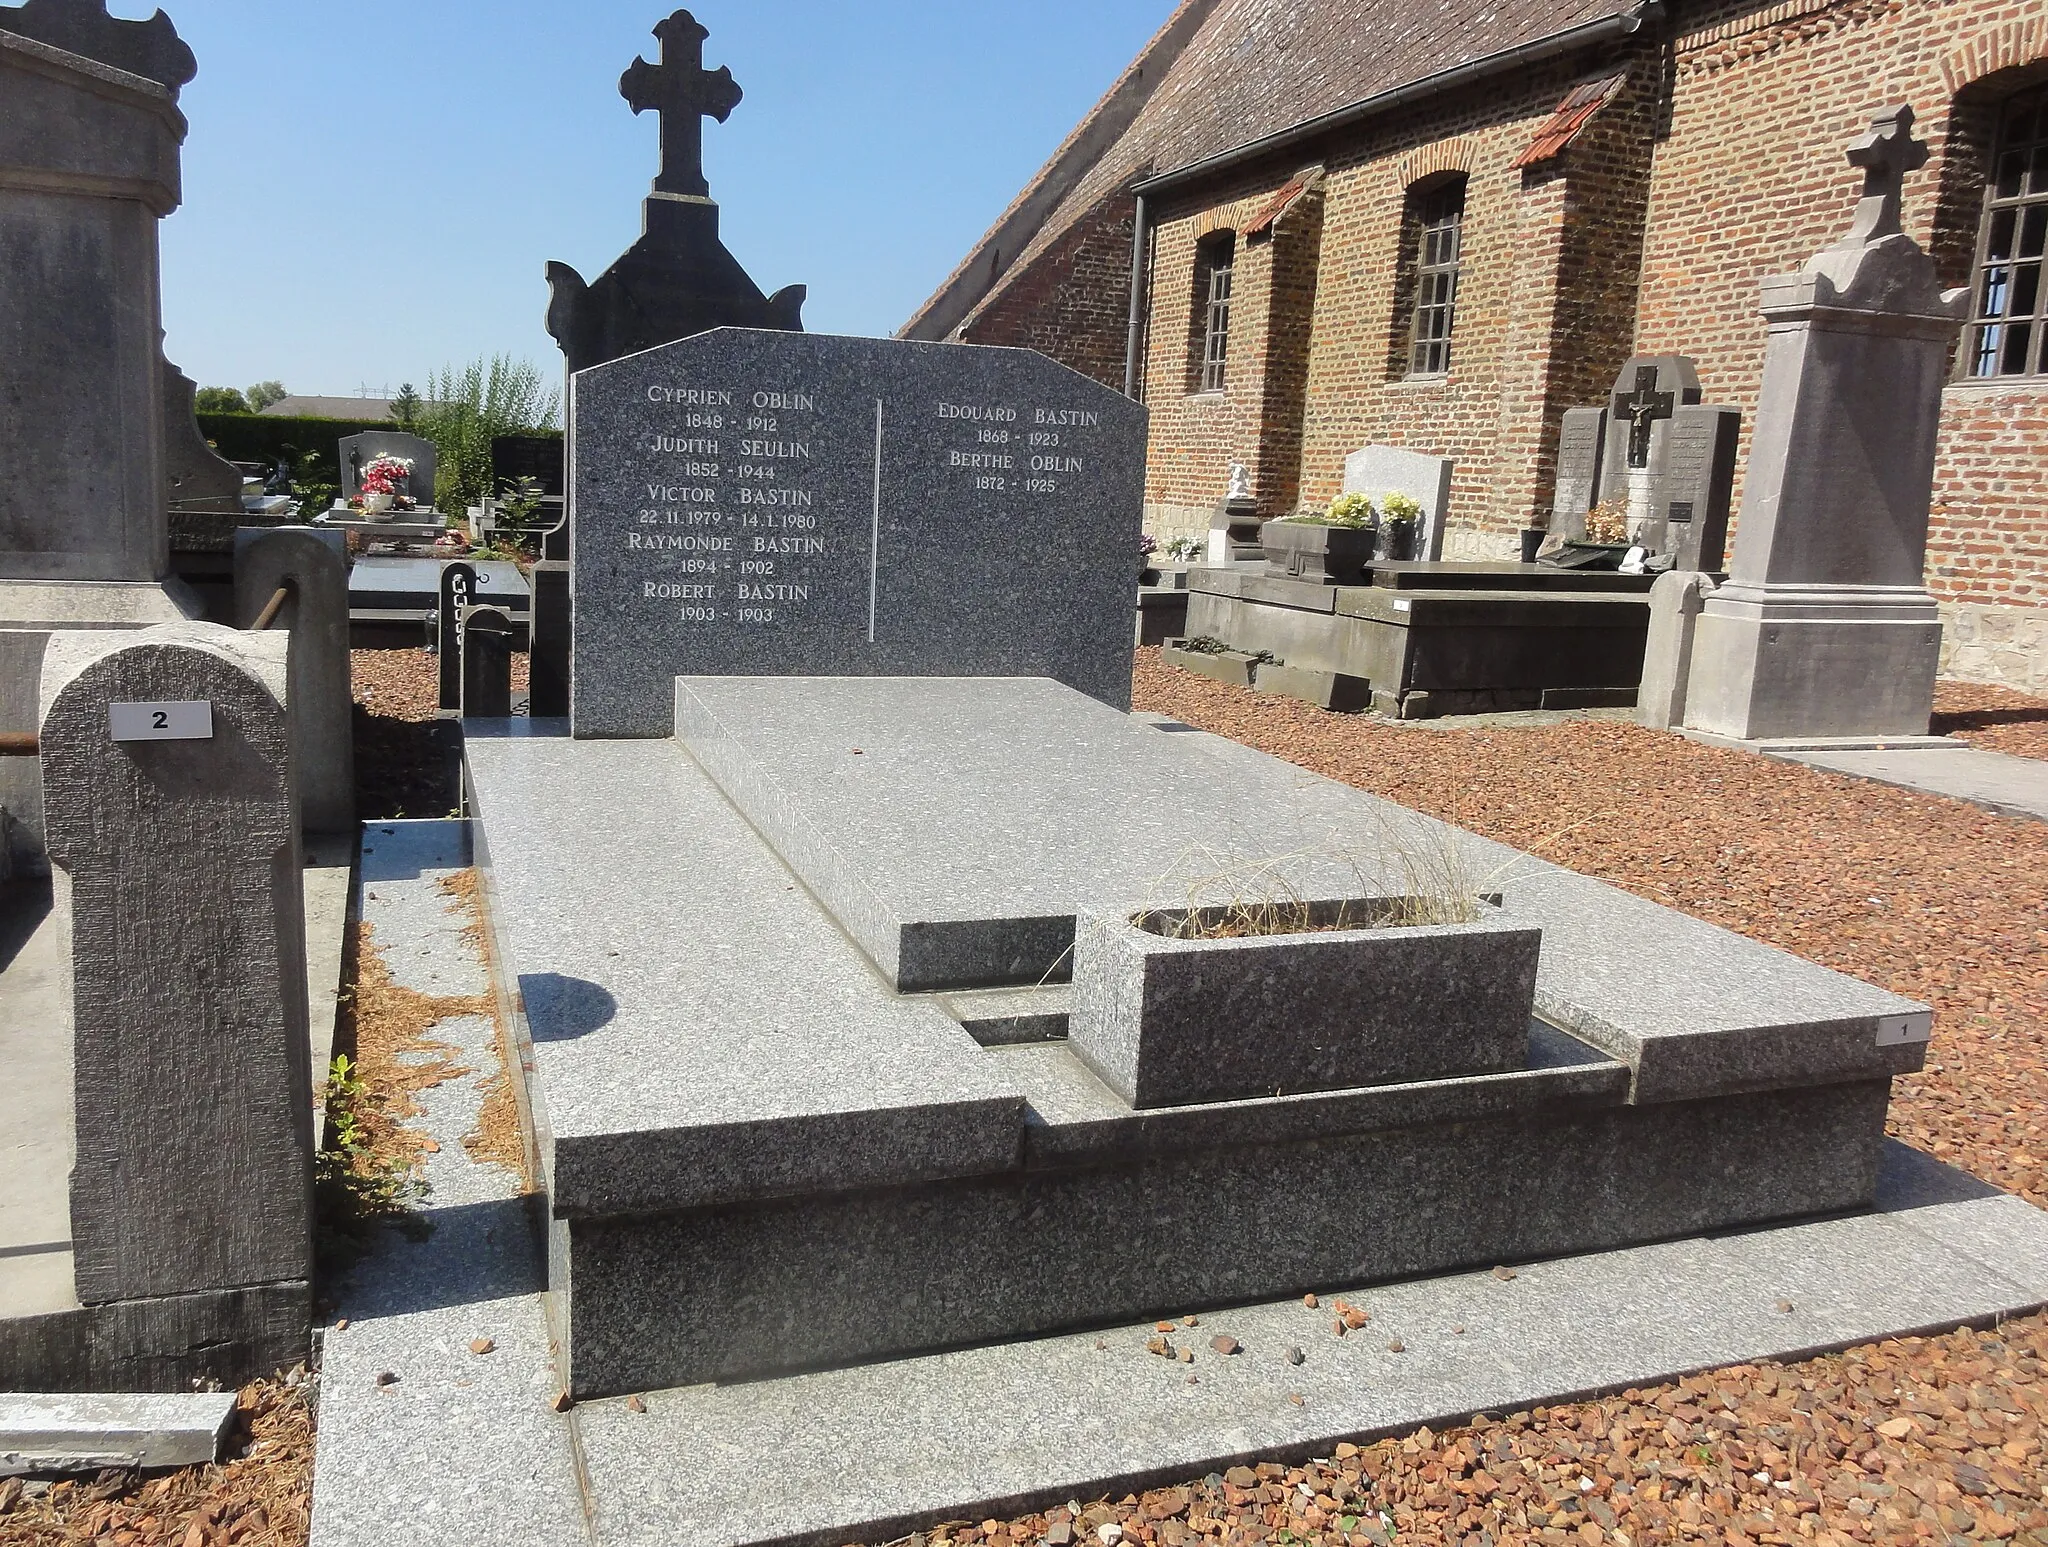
pixel 561 1009
pixel 466 1254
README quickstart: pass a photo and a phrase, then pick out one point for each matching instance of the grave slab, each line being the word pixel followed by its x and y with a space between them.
pixel 88 1433
pixel 815 1078
pixel 955 829
pixel 1997 781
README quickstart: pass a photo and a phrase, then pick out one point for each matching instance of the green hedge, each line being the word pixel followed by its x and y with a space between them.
pixel 266 437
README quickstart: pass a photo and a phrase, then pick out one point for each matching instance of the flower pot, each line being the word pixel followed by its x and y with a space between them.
pixel 377 507
pixel 1303 550
pixel 1532 542
pixel 1170 1022
pixel 1398 539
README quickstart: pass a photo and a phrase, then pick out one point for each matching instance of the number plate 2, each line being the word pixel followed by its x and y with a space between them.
pixel 191 720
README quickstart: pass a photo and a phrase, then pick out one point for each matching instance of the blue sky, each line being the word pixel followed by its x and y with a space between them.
pixel 373 186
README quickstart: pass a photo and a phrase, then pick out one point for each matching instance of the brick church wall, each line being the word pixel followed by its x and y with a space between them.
pixel 1751 181
pixel 1073 301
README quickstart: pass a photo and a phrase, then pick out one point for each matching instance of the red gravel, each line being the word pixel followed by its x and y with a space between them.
pixel 1996 719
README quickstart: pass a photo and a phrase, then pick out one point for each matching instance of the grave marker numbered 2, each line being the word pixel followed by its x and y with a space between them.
pixel 190 720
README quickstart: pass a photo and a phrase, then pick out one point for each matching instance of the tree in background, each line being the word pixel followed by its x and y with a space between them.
pixel 405 408
pixel 219 400
pixel 263 394
pixel 468 408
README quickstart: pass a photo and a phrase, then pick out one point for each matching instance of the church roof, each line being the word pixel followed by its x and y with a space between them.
pixel 1223 74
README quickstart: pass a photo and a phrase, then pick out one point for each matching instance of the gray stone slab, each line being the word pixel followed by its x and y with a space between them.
pixel 461 1447
pixel 35 1106
pixel 752 501
pixel 999 1430
pixel 955 828
pixel 679 1058
pixel 57 1433
pixel 1424 478
pixel 1997 781
pixel 740 1292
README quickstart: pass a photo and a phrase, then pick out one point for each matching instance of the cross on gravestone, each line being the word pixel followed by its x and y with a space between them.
pixel 684 93
pixel 1886 154
pixel 1643 408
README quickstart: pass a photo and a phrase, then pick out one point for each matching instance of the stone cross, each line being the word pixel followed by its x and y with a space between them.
pixel 684 93
pixel 1643 408
pixel 1886 154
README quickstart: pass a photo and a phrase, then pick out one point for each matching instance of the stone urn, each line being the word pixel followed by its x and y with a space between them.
pixel 1310 550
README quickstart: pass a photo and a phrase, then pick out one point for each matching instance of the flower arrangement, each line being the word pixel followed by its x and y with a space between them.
pixel 1180 548
pixel 1396 506
pixel 390 475
pixel 1147 546
pixel 1607 522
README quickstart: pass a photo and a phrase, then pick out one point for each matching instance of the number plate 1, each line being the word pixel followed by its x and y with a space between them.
pixel 188 721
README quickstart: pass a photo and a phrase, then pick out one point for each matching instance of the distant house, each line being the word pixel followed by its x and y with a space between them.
pixel 1438 224
pixel 370 408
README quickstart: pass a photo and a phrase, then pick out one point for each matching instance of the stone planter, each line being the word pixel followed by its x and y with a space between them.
pixel 379 507
pixel 1169 1022
pixel 1304 550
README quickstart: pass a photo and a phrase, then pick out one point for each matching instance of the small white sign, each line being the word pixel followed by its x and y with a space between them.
pixel 191 720
pixel 1904 1030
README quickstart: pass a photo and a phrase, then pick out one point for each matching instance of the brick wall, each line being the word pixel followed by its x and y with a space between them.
pixel 1751 181
pixel 1073 302
pixel 1719 162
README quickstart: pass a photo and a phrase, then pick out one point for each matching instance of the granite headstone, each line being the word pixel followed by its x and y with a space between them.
pixel 756 503
pixel 1581 448
pixel 1649 390
pixel 1698 485
pixel 1424 479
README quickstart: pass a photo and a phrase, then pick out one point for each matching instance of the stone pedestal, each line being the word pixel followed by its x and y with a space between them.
pixel 1825 626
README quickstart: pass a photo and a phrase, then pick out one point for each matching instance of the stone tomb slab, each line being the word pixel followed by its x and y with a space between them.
pixel 751 502
pixel 955 828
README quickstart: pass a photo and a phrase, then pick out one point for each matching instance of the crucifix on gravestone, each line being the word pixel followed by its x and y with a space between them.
pixel 684 93
pixel 1642 409
pixel 1886 154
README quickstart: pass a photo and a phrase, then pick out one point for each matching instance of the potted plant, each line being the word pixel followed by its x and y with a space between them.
pixel 1400 523
pixel 385 480
pixel 1332 547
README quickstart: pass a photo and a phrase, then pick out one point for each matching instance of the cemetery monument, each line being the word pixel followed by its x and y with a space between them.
pixel 1825 626
pixel 678 279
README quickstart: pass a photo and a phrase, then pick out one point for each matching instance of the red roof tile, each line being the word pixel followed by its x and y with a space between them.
pixel 1572 115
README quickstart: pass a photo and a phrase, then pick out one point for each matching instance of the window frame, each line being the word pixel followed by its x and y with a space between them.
pixel 1436 259
pixel 1215 284
pixel 1987 339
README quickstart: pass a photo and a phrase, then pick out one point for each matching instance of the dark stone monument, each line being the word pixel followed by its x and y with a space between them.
pixel 486 664
pixel 548 641
pixel 539 457
pixel 1657 447
pixel 678 279
pixel 458 591
pixel 1699 482
pixel 754 503
pixel 1581 443
pixel 357 452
